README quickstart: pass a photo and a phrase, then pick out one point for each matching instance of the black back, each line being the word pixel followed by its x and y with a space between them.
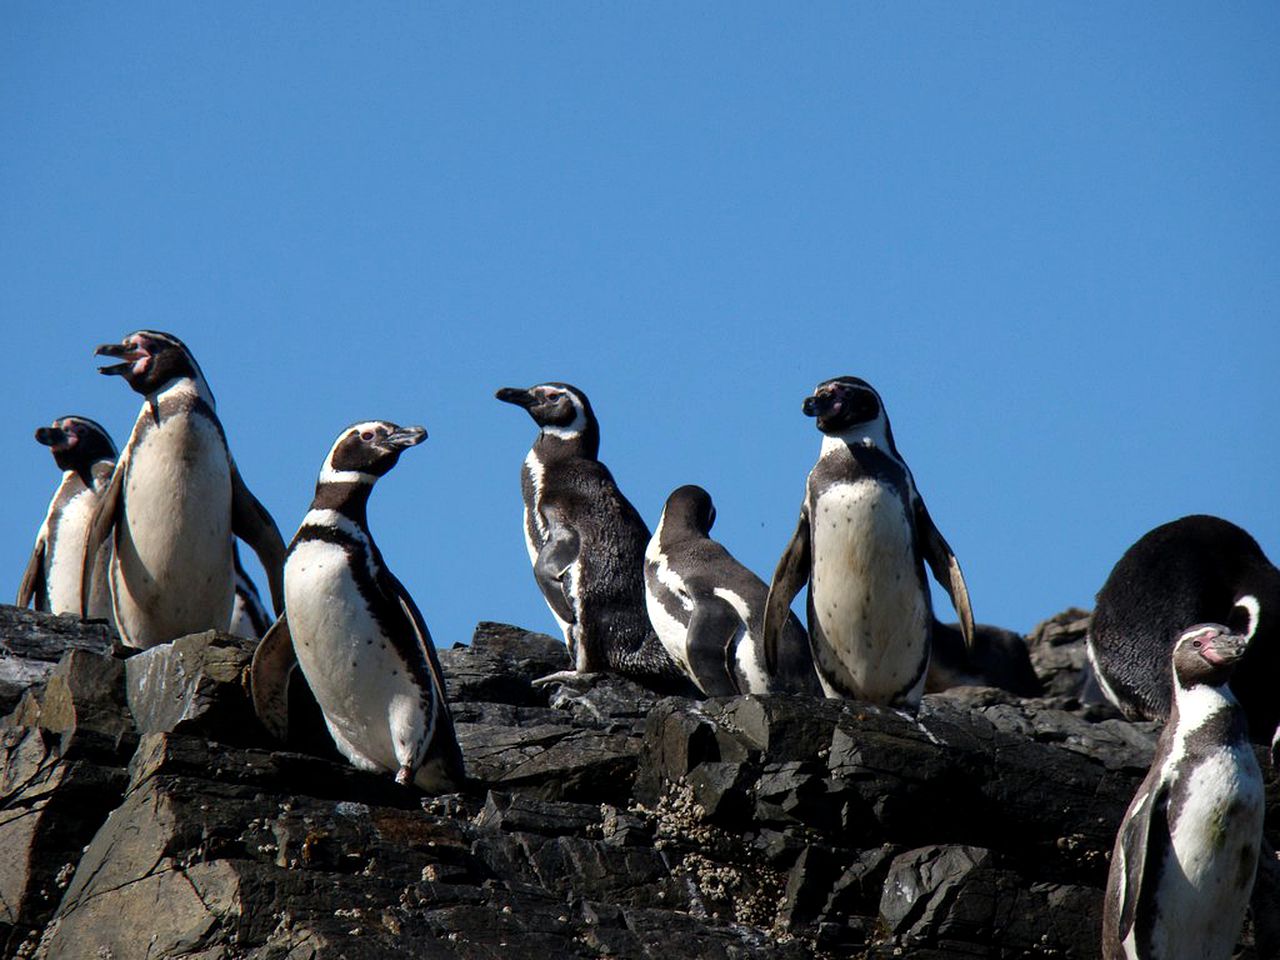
pixel 1192 570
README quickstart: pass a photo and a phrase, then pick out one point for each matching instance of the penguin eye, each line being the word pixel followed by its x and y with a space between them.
pixel 367 435
pixel 1197 644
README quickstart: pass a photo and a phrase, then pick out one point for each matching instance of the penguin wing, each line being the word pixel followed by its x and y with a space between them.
pixel 252 524
pixel 445 739
pixel 1144 838
pixel 946 569
pixel 788 578
pixel 709 646
pixel 33 585
pixel 554 559
pixel 273 662
pixel 100 524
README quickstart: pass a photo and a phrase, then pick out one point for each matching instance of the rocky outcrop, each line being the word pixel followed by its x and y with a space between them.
pixel 150 816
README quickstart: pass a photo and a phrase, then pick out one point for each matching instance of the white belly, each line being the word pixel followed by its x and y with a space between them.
pixel 372 705
pixel 673 634
pixel 865 589
pixel 64 565
pixel 1202 908
pixel 172 572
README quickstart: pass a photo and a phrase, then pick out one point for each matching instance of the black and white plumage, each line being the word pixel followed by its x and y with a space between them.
pixel 249 618
pixel 174 502
pixel 1185 856
pixel 586 541
pixel 53 581
pixel 1198 569
pixel 863 539
pixel 355 632
pixel 708 609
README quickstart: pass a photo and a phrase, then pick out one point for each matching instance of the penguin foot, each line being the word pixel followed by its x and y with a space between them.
pixel 404 776
pixel 560 676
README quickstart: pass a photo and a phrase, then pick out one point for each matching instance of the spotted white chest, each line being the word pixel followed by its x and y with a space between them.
pixel 371 702
pixel 865 590
pixel 172 572
pixel 1202 897
pixel 64 561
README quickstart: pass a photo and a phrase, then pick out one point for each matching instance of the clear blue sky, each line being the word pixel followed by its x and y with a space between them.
pixel 1049 233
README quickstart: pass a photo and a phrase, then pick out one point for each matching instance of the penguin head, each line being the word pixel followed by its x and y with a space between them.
pixel 151 361
pixel 365 451
pixel 1207 654
pixel 688 509
pixel 76 442
pixel 558 408
pixel 844 405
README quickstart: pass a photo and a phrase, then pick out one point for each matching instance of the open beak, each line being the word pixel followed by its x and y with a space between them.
pixel 406 437
pixel 521 398
pixel 128 354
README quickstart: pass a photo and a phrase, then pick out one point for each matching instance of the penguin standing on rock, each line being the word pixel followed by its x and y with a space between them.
pixel 708 609
pixel 1198 569
pixel 174 502
pixel 862 541
pixel 586 541
pixel 1186 852
pixel 53 580
pixel 355 632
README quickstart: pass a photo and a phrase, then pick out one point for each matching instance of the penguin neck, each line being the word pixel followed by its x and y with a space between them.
pixel 351 499
pixel 555 443
pixel 179 393
pixel 1199 705
pixel 873 434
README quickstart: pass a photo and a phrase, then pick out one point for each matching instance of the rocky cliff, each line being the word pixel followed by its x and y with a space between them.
pixel 144 813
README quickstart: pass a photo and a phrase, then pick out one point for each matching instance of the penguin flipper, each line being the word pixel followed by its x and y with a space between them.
pixel 274 661
pixel 946 569
pixel 444 742
pixel 788 578
pixel 252 524
pixel 709 646
pixel 554 559
pixel 1144 838
pixel 100 526
pixel 33 585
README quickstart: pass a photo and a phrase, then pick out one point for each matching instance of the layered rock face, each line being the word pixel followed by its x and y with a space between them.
pixel 144 813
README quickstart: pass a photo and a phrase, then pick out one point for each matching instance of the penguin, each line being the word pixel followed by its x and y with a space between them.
pixel 1197 569
pixel 174 502
pixel 52 582
pixel 586 541
pixel 249 617
pixel 996 658
pixel 708 609
pixel 355 632
pixel 1187 849
pixel 862 541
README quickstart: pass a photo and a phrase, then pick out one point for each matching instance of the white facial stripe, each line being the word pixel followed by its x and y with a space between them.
pixel 330 475
pixel 1254 609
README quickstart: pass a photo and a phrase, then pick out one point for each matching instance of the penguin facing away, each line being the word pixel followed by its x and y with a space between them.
pixel 586 541
pixel 53 579
pixel 174 502
pixel 1197 569
pixel 249 617
pixel 1187 849
pixel 862 541
pixel 355 632
pixel 708 609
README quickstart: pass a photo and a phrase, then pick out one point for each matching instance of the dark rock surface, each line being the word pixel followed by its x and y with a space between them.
pixel 144 814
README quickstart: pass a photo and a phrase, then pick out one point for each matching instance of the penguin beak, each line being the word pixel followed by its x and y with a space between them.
pixel 1223 648
pixel 821 404
pixel 521 398
pixel 127 353
pixel 54 437
pixel 406 437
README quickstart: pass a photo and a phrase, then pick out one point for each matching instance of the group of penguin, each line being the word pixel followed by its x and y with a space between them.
pixel 147 540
